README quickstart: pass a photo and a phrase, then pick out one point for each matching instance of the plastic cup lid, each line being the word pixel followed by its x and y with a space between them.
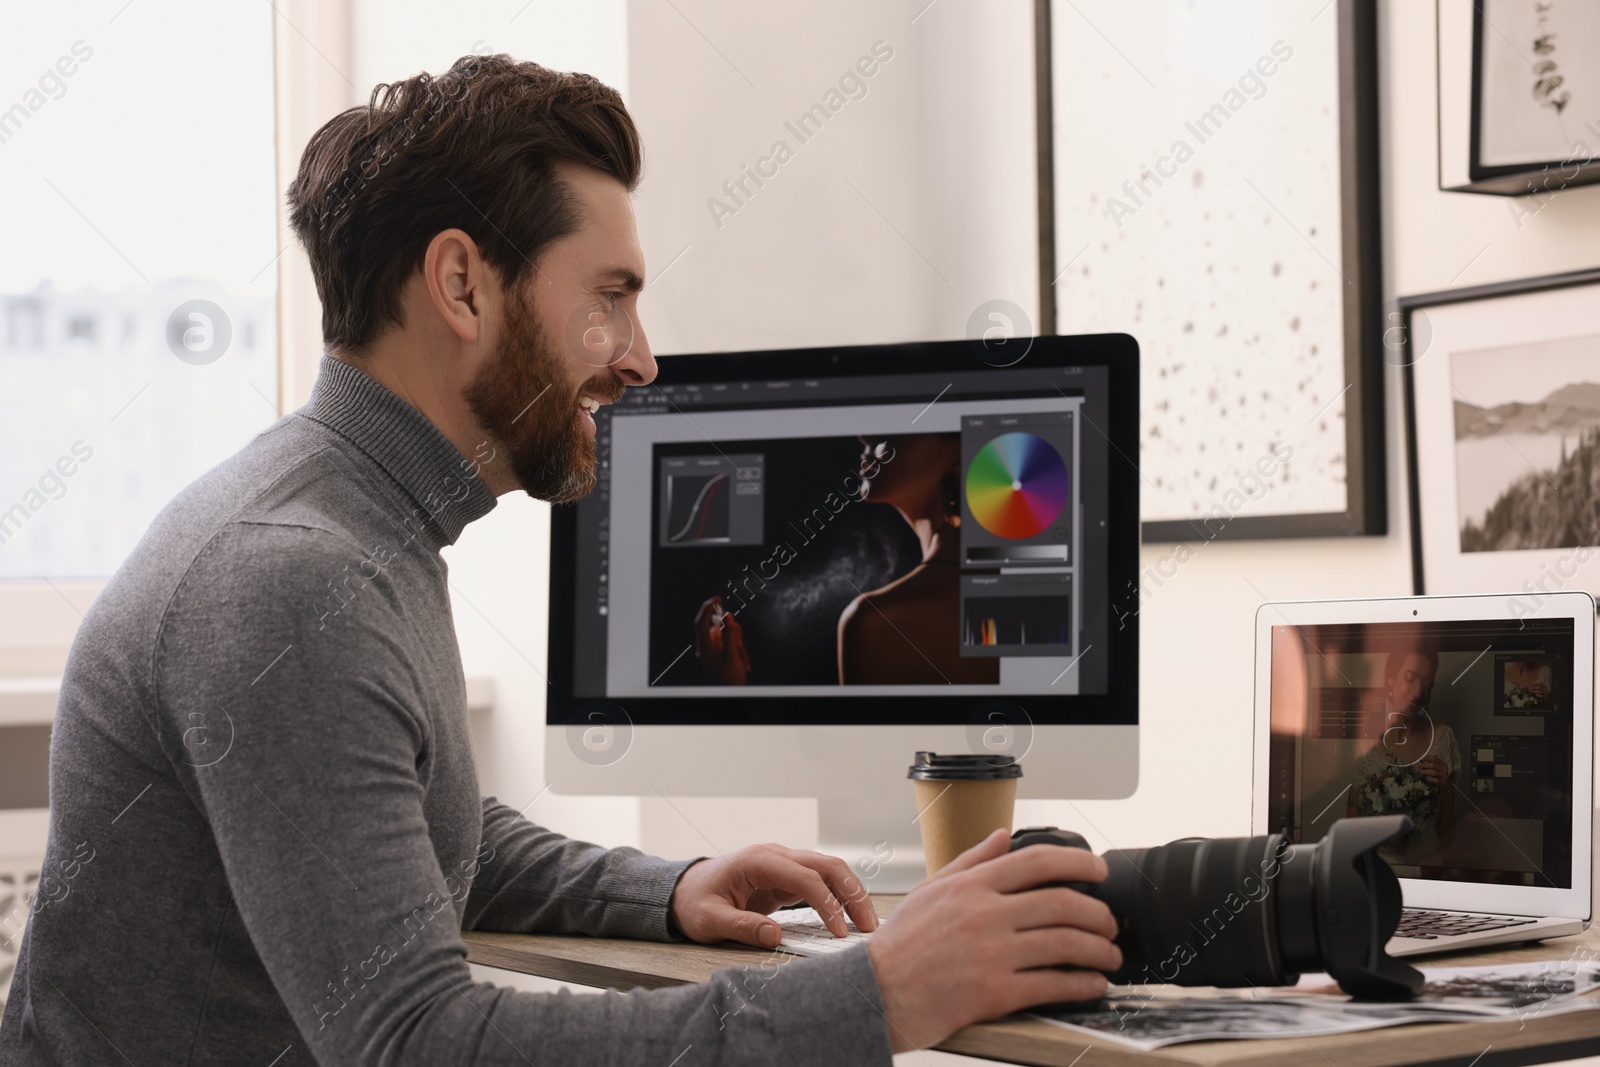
pixel 964 767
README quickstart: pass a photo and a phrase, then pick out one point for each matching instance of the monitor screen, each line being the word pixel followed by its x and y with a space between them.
pixel 1466 726
pixel 882 535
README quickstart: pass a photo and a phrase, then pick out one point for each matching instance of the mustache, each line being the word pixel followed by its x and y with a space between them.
pixel 607 387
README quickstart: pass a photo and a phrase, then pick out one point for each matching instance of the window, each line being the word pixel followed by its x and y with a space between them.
pixel 138 343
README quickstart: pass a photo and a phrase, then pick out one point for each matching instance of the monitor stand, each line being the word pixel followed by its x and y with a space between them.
pixel 879 840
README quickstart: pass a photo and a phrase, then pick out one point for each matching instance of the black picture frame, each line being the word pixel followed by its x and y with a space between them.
pixel 1366 489
pixel 1408 306
pixel 1515 179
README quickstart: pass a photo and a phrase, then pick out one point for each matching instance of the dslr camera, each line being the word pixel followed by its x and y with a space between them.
pixel 1236 911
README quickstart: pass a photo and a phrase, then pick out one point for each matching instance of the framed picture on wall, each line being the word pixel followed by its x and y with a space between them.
pixel 1503 433
pixel 1519 85
pixel 1535 84
pixel 1214 193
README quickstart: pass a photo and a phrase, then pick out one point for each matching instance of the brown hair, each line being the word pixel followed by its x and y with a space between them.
pixel 473 149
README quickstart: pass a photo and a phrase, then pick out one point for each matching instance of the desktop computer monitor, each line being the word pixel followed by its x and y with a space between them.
pixel 798 568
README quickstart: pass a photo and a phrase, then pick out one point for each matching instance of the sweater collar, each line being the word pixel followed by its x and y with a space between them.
pixel 397 437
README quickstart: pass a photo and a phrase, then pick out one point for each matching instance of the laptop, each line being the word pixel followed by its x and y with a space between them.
pixel 1472 714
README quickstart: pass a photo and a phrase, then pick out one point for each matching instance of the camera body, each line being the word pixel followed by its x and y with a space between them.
pixel 1254 910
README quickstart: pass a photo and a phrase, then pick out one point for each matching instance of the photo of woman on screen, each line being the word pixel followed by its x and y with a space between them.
pixel 903 631
pixel 1413 767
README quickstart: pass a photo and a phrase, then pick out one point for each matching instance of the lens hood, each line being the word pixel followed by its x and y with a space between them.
pixel 1355 899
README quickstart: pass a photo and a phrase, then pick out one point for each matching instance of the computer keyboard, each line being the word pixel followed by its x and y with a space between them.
pixel 805 935
pixel 1430 925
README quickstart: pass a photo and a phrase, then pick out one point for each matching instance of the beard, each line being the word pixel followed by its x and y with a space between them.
pixel 523 401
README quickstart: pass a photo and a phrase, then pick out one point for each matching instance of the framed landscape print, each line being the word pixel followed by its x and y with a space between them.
pixel 1503 426
pixel 1215 195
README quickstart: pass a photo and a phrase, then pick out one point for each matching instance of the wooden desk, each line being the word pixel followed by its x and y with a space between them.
pixel 1500 1043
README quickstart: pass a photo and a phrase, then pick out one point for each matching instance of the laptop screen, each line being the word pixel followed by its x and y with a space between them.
pixel 1465 726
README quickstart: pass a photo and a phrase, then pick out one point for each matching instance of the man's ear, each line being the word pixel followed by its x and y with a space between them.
pixel 460 283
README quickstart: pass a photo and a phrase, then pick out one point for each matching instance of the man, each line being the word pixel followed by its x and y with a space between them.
pixel 265 830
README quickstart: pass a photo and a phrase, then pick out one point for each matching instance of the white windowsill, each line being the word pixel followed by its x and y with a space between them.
pixel 28 701
pixel 32 701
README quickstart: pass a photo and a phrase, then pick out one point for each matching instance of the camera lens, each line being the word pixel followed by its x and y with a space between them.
pixel 1200 911
pixel 1239 911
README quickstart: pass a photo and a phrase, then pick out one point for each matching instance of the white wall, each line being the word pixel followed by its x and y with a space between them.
pixel 910 207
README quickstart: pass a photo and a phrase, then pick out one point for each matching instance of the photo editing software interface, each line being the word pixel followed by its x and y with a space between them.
pixel 768 537
pixel 1465 726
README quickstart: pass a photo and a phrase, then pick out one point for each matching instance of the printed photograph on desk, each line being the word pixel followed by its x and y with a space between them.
pixel 1488 989
pixel 1151 1017
pixel 1152 1024
pixel 1504 415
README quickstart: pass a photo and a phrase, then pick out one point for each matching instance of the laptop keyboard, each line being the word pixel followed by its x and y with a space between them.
pixel 1430 925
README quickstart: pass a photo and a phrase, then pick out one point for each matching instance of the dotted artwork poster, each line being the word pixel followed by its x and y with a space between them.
pixel 1198 202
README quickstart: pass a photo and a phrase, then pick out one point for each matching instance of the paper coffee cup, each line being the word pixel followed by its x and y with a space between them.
pixel 961 800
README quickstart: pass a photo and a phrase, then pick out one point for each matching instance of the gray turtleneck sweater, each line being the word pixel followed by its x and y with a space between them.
pixel 266 834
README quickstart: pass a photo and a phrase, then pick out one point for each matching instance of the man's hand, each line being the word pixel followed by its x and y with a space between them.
pixel 729 898
pixel 975 941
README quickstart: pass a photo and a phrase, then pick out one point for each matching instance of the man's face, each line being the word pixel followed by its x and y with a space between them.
pixel 570 340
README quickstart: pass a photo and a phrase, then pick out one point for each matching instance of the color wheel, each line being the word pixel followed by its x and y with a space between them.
pixel 1016 486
